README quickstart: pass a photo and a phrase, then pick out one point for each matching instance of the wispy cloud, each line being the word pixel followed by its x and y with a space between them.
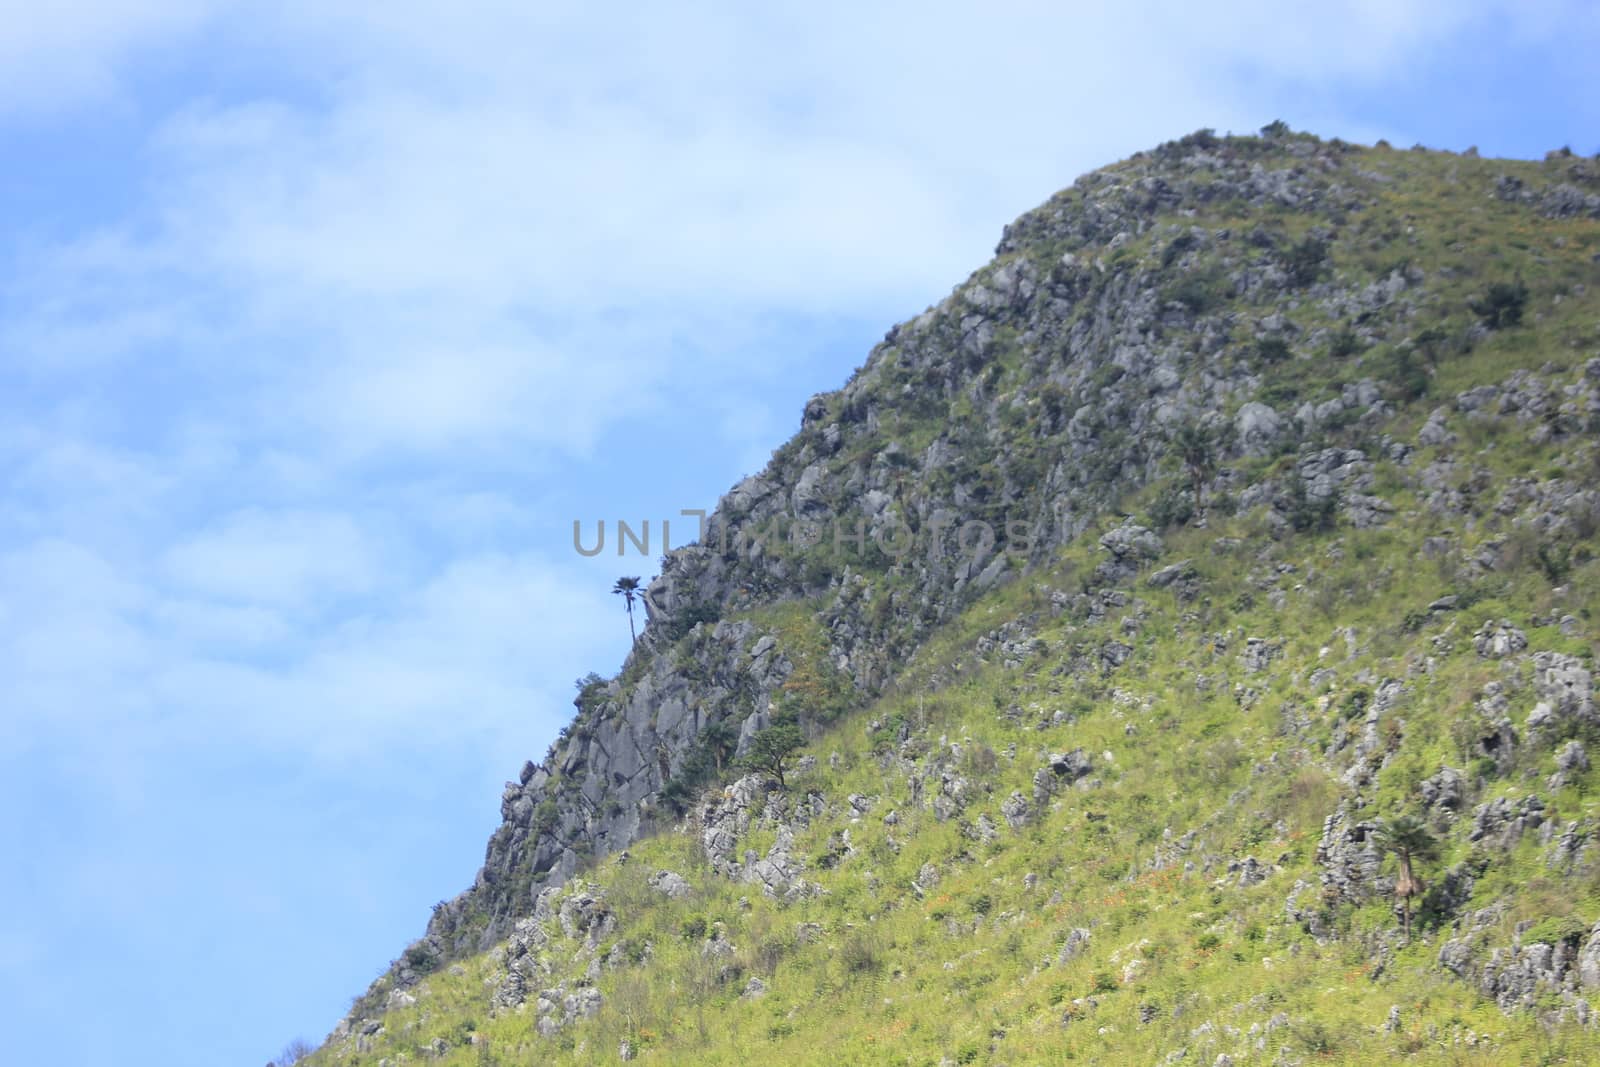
pixel 281 559
pixel 74 52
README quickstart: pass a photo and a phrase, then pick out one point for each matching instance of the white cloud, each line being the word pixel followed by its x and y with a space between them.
pixel 58 55
pixel 204 625
pixel 484 649
pixel 480 650
pixel 289 559
pixel 68 617
pixel 465 391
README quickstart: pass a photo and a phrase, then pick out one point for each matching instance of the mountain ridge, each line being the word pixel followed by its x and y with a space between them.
pixel 1116 357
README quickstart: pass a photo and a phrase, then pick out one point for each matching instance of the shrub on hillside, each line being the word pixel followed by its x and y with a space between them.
pixel 1309 514
pixel 1272 349
pixel 1502 305
pixel 1171 507
pixel 1304 261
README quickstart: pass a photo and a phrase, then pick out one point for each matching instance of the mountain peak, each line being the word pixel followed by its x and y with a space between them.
pixel 1128 572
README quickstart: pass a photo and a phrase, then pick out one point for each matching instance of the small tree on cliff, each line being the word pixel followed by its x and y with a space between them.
pixel 293 1053
pixel 719 739
pixel 628 590
pixel 771 749
pixel 1410 840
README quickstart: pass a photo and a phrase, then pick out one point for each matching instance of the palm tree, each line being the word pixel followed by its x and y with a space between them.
pixel 1198 446
pixel 1409 838
pixel 628 590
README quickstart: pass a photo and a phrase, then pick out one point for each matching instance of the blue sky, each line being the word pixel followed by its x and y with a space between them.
pixel 320 323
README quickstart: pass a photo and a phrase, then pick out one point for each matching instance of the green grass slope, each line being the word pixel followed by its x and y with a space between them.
pixel 1130 813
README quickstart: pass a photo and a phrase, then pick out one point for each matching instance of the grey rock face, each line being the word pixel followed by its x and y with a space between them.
pixel 585 914
pixel 1572 757
pixel 1114 654
pixel 1303 905
pixel 1571 761
pixel 1060 771
pixel 522 963
pixel 599 785
pixel 726 819
pixel 1569 849
pixel 1349 857
pixel 1455 955
pixel 1132 542
pixel 558 1008
pixel 947 789
pixel 1258 428
pixel 1453 889
pixel 1344 474
pixel 1077 940
pixel 1498 742
pixel 1498 640
pixel 1589 961
pixel 1502 821
pixel 1174 851
pixel 1259 653
pixel 670 884
pixel 1514 976
pixel 1330 470
pixel 1565 688
pixel 717 945
pixel 1248 872
pixel 1016 811
pixel 1181 572
pixel 1371 751
pixel 1070 766
pixel 1557 200
pixel 1434 431
pixel 1444 792
pixel 778 872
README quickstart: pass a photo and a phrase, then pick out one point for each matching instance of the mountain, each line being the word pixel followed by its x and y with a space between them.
pixel 1186 630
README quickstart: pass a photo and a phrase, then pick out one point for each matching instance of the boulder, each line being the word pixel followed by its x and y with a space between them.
pixel 670 884
pixel 1258 428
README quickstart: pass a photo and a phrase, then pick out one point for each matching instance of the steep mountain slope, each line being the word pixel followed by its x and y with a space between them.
pixel 1240 508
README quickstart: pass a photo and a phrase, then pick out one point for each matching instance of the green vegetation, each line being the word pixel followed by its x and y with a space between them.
pixel 974 967
pixel 1305 260
pixel 770 750
pixel 1502 305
